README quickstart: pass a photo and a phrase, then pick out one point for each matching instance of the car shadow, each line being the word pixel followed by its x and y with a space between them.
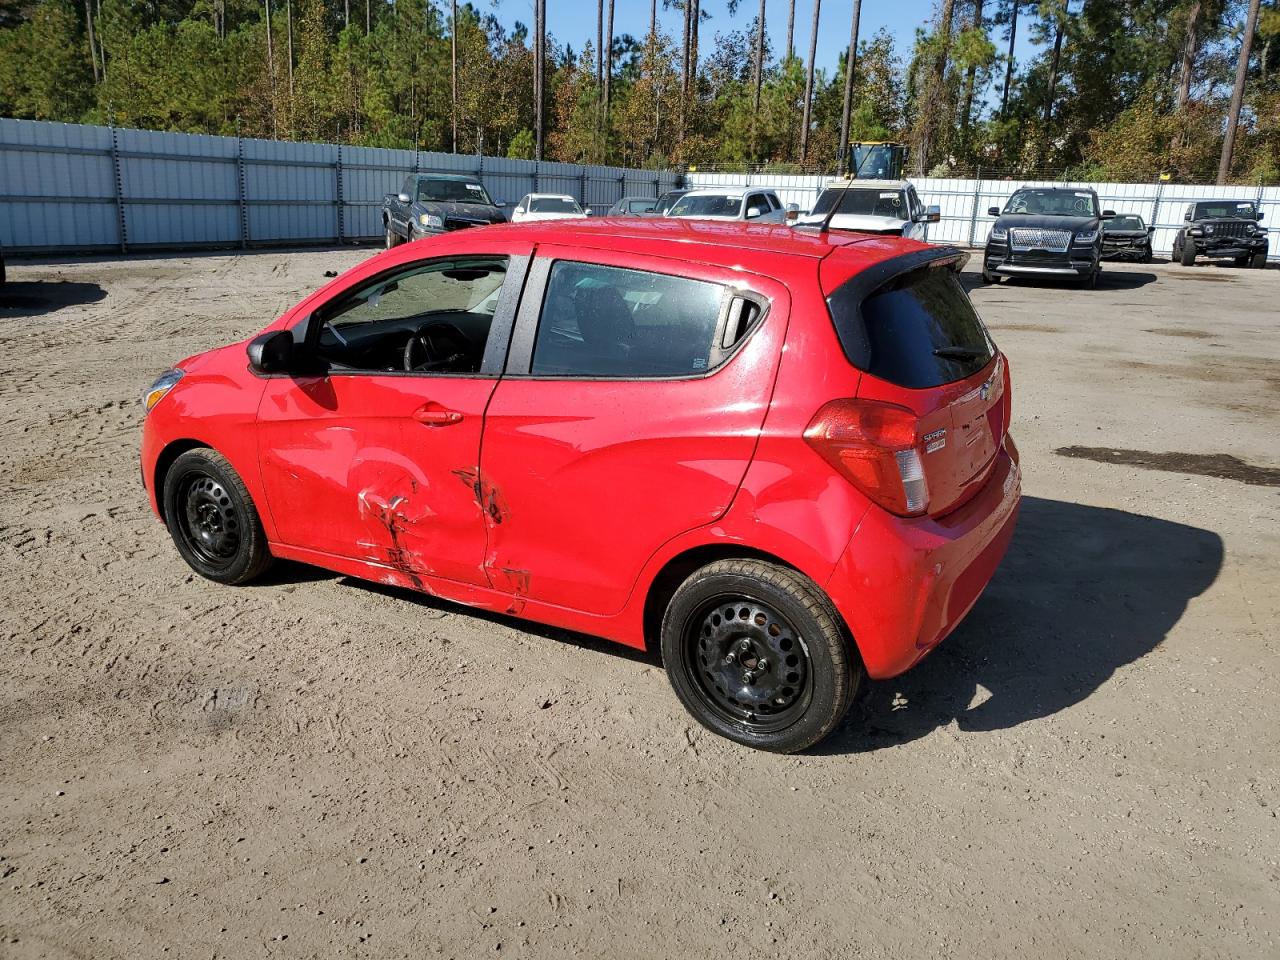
pixel 21 299
pixel 1082 592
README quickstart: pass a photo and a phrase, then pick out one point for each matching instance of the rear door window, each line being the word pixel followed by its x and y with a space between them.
pixel 919 330
pixel 600 321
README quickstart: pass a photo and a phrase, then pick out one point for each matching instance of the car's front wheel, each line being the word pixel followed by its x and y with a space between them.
pixel 756 652
pixel 390 238
pixel 1259 261
pixel 212 519
pixel 1188 255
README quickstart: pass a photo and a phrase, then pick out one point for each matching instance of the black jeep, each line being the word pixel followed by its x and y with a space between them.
pixel 1222 228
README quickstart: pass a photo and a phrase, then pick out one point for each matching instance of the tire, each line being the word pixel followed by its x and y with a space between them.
pixel 1147 255
pixel 212 519
pixel 1089 281
pixel 1188 255
pixel 989 277
pixel 790 655
pixel 1259 261
pixel 391 238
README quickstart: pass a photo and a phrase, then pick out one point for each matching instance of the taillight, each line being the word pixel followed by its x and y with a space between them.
pixel 1008 391
pixel 877 447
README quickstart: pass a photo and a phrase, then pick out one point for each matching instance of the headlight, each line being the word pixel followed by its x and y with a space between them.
pixel 164 383
pixel 1000 234
pixel 1196 232
pixel 1086 236
pixel 432 221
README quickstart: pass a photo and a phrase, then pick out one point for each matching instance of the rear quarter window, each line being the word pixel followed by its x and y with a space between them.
pixel 918 330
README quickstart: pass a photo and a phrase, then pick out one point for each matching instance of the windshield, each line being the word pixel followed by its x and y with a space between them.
pixel 667 201
pixel 1054 203
pixel 554 205
pixel 859 201
pixel 453 190
pixel 706 205
pixel 1126 223
pixel 1224 208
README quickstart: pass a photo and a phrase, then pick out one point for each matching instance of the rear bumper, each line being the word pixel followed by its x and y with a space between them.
pixel 903 584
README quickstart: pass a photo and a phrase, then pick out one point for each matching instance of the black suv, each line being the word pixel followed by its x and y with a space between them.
pixel 1222 228
pixel 1046 232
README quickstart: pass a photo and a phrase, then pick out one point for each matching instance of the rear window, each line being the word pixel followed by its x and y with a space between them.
pixel 919 330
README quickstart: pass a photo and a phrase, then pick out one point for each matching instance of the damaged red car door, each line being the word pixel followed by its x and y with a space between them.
pixel 375 456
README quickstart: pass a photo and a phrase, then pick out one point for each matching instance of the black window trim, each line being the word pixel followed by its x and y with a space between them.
pixel 524 339
pixel 496 346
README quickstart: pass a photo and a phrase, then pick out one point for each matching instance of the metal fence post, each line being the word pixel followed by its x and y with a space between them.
pixel 973 212
pixel 115 166
pixel 241 194
pixel 582 189
pixel 337 177
pixel 1155 205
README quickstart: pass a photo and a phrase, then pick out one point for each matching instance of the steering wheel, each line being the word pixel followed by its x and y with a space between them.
pixel 440 345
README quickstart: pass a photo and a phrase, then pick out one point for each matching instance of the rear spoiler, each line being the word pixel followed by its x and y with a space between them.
pixel 845 302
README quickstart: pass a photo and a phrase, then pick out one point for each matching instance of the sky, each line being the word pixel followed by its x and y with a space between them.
pixel 574 22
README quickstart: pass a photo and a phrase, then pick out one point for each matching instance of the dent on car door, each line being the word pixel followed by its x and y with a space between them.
pixel 372 453
pixel 630 410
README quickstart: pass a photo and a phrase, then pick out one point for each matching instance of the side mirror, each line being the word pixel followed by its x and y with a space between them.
pixel 1151 229
pixel 993 211
pixel 1259 214
pixel 404 198
pixel 271 352
pixel 793 211
pixel 587 212
pixel 1108 214
pixel 932 214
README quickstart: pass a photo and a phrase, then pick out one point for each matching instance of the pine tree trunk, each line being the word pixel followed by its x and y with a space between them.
pixel 695 17
pixel 759 65
pixel 971 75
pixel 271 69
pixel 453 71
pixel 808 84
pixel 1190 47
pixel 599 48
pixel 93 50
pixel 791 30
pixel 850 64
pixel 653 18
pixel 1053 68
pixel 1237 92
pixel 1008 69
pixel 608 62
pixel 288 13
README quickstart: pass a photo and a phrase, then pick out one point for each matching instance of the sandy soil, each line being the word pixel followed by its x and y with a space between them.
pixel 319 767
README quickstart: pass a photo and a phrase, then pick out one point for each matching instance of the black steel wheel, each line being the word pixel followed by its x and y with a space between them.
pixel 212 519
pixel 757 654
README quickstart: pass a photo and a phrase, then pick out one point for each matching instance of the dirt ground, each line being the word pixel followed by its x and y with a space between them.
pixel 320 767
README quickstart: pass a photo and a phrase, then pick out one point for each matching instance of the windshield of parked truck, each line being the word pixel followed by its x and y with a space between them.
pixel 459 191
pixel 861 202
pixel 1217 209
pixel 1053 203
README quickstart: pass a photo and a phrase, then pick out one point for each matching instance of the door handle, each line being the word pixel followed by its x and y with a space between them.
pixel 431 414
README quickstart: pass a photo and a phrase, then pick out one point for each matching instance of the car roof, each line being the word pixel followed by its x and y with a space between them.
pixel 861 183
pixel 722 242
pixel 464 177
pixel 727 191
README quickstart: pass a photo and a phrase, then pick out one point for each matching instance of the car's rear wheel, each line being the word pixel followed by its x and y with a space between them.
pixel 1259 261
pixel 757 654
pixel 212 519
pixel 1188 256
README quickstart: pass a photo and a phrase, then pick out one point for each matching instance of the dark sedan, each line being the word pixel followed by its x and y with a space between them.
pixel 1126 237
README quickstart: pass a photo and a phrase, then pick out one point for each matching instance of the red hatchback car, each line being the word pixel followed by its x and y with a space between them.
pixel 780 456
